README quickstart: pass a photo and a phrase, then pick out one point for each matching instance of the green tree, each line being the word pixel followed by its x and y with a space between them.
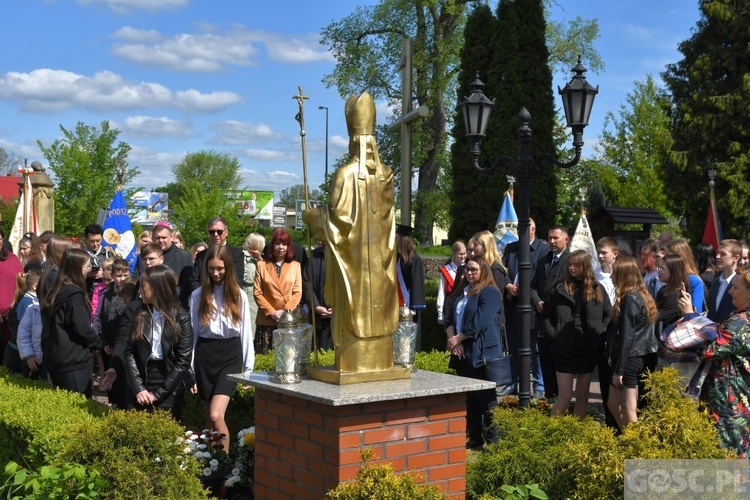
pixel 633 148
pixel 198 205
pixel 367 46
pixel 84 163
pixel 518 75
pixel 210 169
pixel 290 195
pixel 710 116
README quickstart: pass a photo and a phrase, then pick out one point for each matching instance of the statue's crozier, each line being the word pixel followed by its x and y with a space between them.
pixel 358 225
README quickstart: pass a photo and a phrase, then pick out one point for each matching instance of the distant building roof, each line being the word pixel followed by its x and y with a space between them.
pixel 619 215
pixel 9 188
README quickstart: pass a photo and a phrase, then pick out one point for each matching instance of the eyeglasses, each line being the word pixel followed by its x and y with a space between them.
pixel 214 232
pixel 472 270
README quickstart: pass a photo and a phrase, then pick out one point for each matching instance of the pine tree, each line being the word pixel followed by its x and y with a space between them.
pixel 468 183
pixel 512 47
pixel 710 117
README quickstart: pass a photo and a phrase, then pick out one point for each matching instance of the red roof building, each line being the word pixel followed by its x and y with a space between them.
pixel 10 189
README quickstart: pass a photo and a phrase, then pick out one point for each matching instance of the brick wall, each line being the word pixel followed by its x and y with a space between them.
pixel 304 448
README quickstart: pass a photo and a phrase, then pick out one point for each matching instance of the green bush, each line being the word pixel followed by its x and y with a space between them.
pixel 670 426
pixel 66 481
pixel 136 454
pixel 554 453
pixel 572 459
pixel 139 455
pixel 379 481
pixel 35 419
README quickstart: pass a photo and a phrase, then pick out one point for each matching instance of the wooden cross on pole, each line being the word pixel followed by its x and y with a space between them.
pixel 404 124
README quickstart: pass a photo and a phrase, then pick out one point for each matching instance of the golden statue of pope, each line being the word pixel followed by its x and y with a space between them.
pixel 358 225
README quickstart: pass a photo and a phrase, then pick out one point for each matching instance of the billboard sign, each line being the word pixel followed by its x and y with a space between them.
pixel 252 204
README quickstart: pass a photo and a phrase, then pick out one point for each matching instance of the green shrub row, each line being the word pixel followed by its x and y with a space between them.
pixel 136 454
pixel 569 458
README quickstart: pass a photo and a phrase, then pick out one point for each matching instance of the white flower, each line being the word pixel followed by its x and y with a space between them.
pixel 231 481
pixel 202 446
pixel 188 433
pixel 187 450
pixel 157 460
pixel 193 437
pixel 207 471
pixel 215 467
pixel 236 471
pixel 213 463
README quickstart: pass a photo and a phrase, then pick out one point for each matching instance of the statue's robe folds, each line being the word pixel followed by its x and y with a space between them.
pixel 358 225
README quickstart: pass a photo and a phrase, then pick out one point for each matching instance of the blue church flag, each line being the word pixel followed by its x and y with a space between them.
pixel 118 231
pixel 506 227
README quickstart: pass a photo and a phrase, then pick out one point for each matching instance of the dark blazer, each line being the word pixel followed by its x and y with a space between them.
pixel 537 249
pixel 317 275
pixel 560 308
pixel 543 282
pixel 631 335
pixel 413 273
pixel 726 308
pixel 177 356
pixel 481 325
pixel 67 335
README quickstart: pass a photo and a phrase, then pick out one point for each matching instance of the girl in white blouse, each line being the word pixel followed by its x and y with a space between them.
pixel 219 310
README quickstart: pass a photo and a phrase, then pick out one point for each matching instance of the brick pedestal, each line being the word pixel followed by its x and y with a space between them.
pixel 309 436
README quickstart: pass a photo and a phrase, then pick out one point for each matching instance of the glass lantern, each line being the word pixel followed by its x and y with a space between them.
pixel 405 339
pixel 306 333
pixel 286 348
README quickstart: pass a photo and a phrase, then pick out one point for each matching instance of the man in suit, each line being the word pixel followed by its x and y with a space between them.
pixel 550 270
pixel 537 248
pixel 719 301
pixel 217 235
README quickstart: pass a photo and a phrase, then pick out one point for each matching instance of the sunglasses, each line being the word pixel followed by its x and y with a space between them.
pixel 214 232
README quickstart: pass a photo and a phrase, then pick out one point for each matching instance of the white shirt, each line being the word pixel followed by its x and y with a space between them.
pixel 452 267
pixel 605 280
pixel 221 326
pixel 157 327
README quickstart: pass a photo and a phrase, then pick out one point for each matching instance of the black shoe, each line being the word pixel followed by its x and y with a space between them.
pixel 473 445
pixel 504 391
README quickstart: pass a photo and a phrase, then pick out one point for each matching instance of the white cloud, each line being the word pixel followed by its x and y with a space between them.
pixel 270 155
pixel 269 181
pixel 339 142
pixel 197 102
pixel 235 132
pixel 184 52
pixel 215 49
pixel 135 34
pixel 122 6
pixel 155 167
pixel 300 49
pixel 49 90
pixel 150 126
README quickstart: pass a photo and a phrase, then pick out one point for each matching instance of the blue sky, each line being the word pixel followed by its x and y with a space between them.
pixel 177 76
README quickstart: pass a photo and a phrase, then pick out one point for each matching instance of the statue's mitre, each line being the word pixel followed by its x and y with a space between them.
pixel 360 115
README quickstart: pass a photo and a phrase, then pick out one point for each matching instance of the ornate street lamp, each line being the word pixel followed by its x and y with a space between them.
pixel 578 98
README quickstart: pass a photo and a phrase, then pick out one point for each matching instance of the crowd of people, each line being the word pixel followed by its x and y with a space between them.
pixel 184 318
pixel 74 314
pixel 629 315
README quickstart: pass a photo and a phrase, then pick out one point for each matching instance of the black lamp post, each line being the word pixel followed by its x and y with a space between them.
pixel 578 97
pixel 326 108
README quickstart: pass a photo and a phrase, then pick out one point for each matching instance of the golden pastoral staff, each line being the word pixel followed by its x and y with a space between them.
pixel 358 225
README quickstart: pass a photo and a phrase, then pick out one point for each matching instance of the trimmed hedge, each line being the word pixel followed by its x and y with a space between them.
pixel 137 454
pixel 568 458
